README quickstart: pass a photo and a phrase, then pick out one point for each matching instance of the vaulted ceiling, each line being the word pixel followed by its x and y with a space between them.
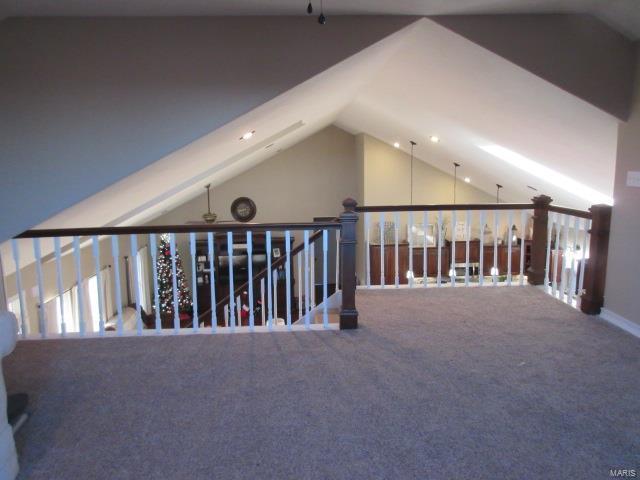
pixel 423 80
pixel 502 123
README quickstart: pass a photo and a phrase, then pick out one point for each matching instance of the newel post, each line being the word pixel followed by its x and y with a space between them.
pixel 596 268
pixel 348 220
pixel 535 274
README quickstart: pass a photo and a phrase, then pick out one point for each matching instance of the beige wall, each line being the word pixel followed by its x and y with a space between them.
pixel 307 180
pixel 623 283
pixel 386 179
pixel 310 179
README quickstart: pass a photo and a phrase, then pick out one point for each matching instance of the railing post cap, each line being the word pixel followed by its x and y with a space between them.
pixel 541 200
pixel 349 205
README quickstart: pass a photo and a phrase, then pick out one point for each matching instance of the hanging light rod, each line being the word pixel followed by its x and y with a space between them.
pixel 498 187
pixel 455 179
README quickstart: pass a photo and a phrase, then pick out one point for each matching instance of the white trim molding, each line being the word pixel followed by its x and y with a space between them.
pixel 619 321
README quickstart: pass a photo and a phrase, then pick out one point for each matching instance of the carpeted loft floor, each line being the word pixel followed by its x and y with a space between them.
pixel 492 383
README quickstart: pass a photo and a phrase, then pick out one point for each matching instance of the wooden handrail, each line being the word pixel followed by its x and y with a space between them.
pixel 445 206
pixel 263 273
pixel 146 229
pixel 570 211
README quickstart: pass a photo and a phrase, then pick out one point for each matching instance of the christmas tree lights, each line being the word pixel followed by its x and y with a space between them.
pixel 165 279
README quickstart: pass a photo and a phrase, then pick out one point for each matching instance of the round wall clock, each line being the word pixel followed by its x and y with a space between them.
pixel 243 209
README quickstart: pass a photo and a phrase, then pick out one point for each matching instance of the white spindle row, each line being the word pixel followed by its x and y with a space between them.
pixel 448 240
pixel 85 308
pixel 567 251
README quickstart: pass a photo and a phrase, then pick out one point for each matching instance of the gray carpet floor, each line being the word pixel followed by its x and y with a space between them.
pixel 492 383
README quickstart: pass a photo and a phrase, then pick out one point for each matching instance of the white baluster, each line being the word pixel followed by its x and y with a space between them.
pixel 136 289
pixel 573 279
pixel 494 271
pixel 523 223
pixel 262 309
pixel 252 319
pixel 440 239
pixel 274 274
pixel 80 292
pixel 410 234
pixel 585 253
pixel 425 252
pixel 239 310
pixel 367 235
pixel 563 280
pixel 96 259
pixel 558 223
pixel 56 247
pixel 174 283
pixel 382 244
pixel 547 266
pixel 325 267
pixel 396 227
pixel 337 259
pixel 307 295
pixel 156 297
pixel 232 290
pixel 212 283
pixel 226 315
pixel 483 219
pixel 194 281
pixel 312 273
pixel 115 253
pixel 509 244
pixel 467 233
pixel 287 275
pixel 300 282
pixel 452 268
pixel 41 310
pixel 269 282
pixel 23 312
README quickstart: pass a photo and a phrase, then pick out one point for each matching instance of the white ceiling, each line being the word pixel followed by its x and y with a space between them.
pixel 420 81
pixel 439 83
pixel 624 15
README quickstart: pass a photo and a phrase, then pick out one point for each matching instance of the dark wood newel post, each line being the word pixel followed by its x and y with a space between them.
pixel 596 269
pixel 348 220
pixel 535 274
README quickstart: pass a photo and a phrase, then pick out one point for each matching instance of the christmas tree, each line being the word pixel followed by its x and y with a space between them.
pixel 165 279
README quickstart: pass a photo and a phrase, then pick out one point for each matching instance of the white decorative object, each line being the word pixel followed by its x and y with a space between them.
pixel 8 456
pixel 417 232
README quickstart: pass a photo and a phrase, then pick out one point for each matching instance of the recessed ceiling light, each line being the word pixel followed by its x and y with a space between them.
pixel 467 179
pixel 396 144
pixel 247 135
pixel 434 139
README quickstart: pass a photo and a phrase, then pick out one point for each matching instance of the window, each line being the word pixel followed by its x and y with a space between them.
pixel 70 311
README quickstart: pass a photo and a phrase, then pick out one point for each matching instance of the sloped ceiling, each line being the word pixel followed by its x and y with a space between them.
pixel 87 102
pixel 441 84
pixel 422 80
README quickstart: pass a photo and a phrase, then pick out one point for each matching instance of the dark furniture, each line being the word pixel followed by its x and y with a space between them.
pixel 445 260
pixel 240 273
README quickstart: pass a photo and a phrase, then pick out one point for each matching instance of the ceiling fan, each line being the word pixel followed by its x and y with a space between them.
pixel 209 217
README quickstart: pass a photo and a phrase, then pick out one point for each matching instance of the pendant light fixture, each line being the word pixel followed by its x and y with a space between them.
pixel 321 19
pixel 498 187
pixel 455 180
pixel 309 8
pixel 413 144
